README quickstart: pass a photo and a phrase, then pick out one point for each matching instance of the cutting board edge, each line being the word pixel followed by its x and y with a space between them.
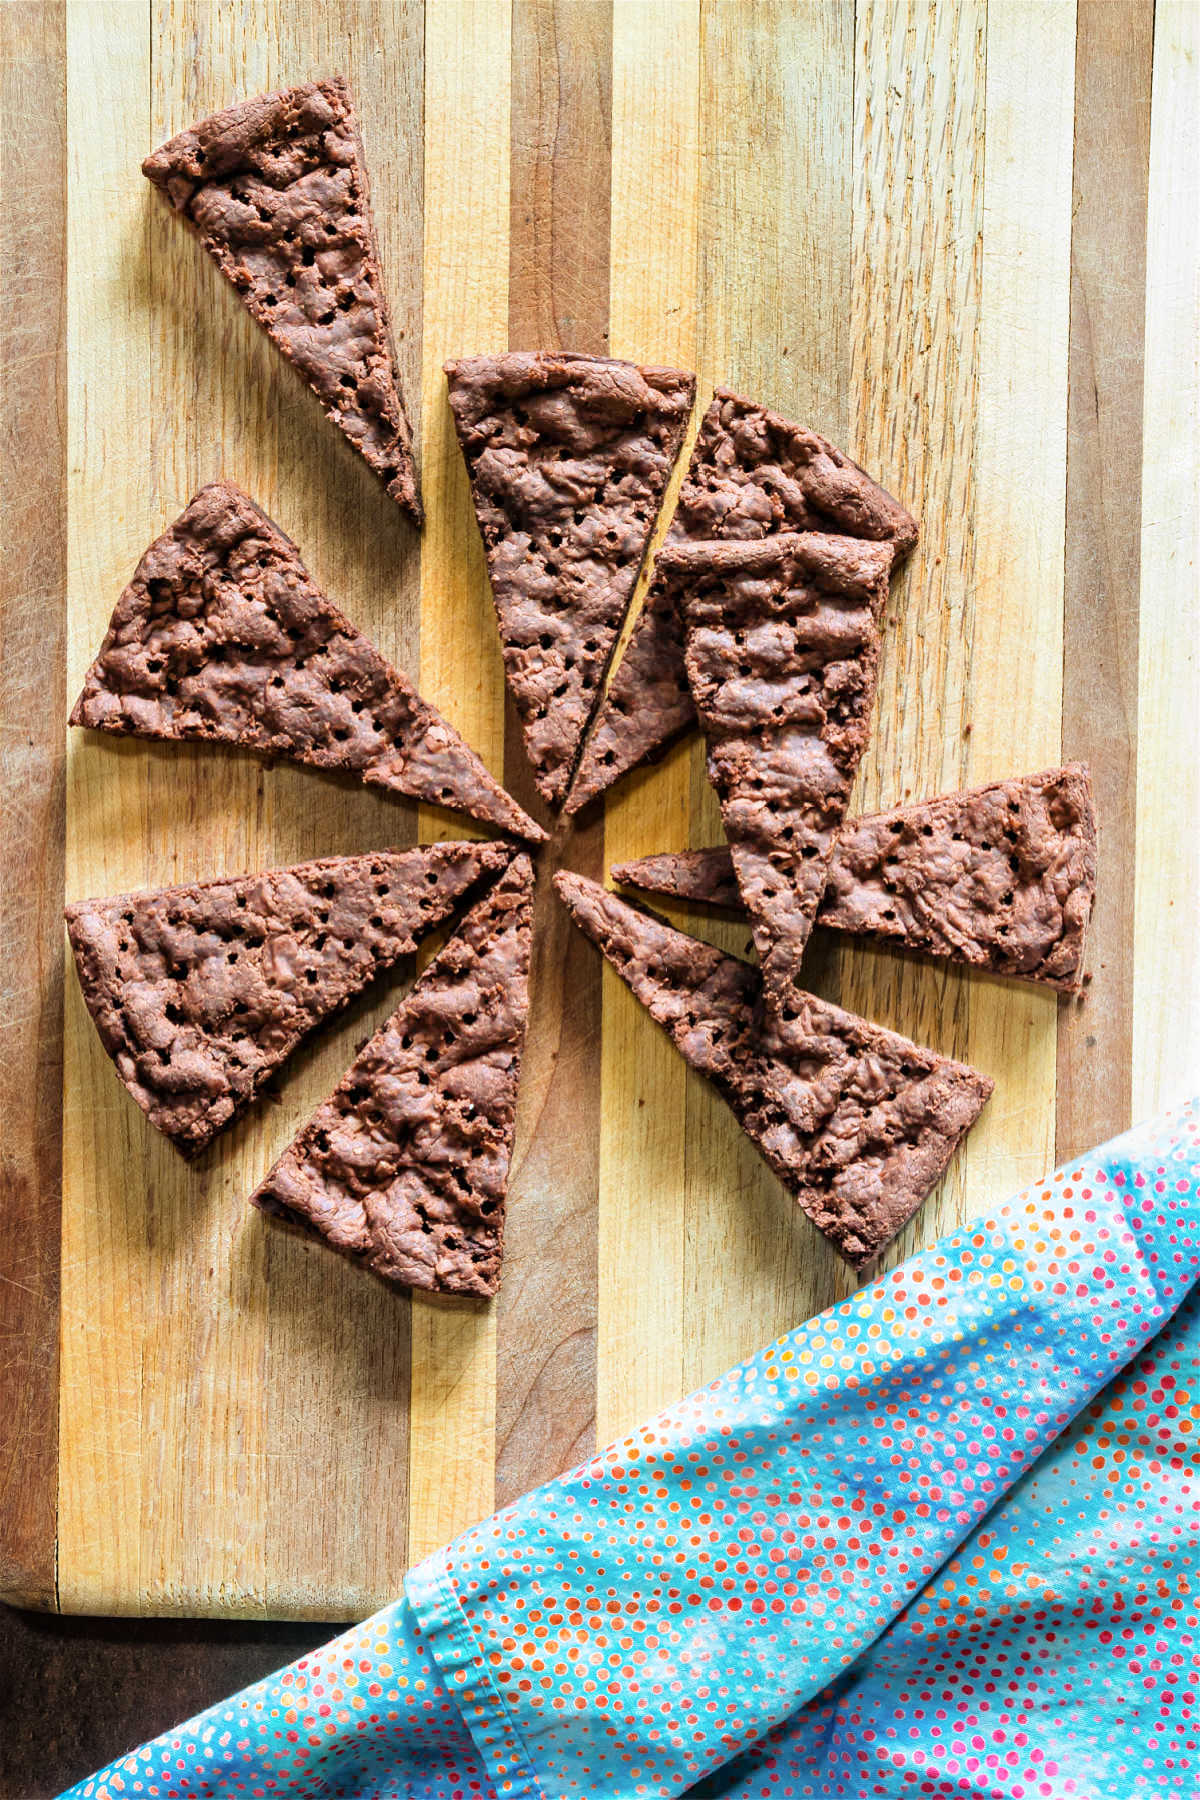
pixel 273 1607
pixel 22 1587
pixel 33 484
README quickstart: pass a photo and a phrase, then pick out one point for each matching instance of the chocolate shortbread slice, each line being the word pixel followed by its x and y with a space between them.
pixel 276 190
pixel 1001 877
pixel 568 458
pixel 405 1166
pixel 199 993
pixel 223 635
pixel 752 474
pixel 699 877
pixel 782 655
pixel 857 1122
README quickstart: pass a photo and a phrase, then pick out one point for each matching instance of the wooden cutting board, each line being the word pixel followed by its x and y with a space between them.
pixel 906 222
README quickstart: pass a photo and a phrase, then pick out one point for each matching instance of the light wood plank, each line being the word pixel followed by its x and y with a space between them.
pixel 467 97
pixel 917 272
pixel 774 307
pixel 255 1344
pixel 1020 496
pixel 338 1343
pixel 1166 969
pixel 105 1278
pixel 643 1193
pixel 203 1409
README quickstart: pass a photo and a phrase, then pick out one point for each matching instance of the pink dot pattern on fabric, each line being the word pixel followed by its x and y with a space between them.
pixel 834 1573
pixel 366 1716
pixel 650 1616
pixel 1057 1654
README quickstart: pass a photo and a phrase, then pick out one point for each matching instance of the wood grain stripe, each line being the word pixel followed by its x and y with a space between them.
pixel 1113 66
pixel 774 311
pixel 1166 972
pixel 1020 495
pixel 104 1249
pixel 335 1435
pixel 561 175
pixel 467 105
pixel 643 1223
pixel 917 273
pixel 558 299
pixel 203 1370
pixel 32 693
pixel 199 1420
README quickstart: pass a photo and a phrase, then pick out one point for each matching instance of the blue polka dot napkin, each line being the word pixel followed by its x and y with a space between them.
pixel 943 1540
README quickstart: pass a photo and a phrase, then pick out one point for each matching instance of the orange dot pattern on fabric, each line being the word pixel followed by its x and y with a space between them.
pixel 1057 1655
pixel 834 1573
pixel 652 1615
pixel 366 1716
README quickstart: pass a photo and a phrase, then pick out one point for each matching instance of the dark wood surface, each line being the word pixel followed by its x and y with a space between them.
pixel 1113 63
pixel 32 781
pixel 74 1693
pixel 558 300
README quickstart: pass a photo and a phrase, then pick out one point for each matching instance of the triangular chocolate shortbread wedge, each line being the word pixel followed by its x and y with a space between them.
pixel 223 635
pixel 405 1166
pixel 199 993
pixel 857 1122
pixel 782 654
pixel 568 458
pixel 276 191
pixel 698 877
pixel 752 474
pixel 1000 877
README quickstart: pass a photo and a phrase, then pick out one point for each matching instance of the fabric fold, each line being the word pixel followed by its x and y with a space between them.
pixel 1057 1653
pixel 656 1612
pixel 366 1715
pixel 816 1576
